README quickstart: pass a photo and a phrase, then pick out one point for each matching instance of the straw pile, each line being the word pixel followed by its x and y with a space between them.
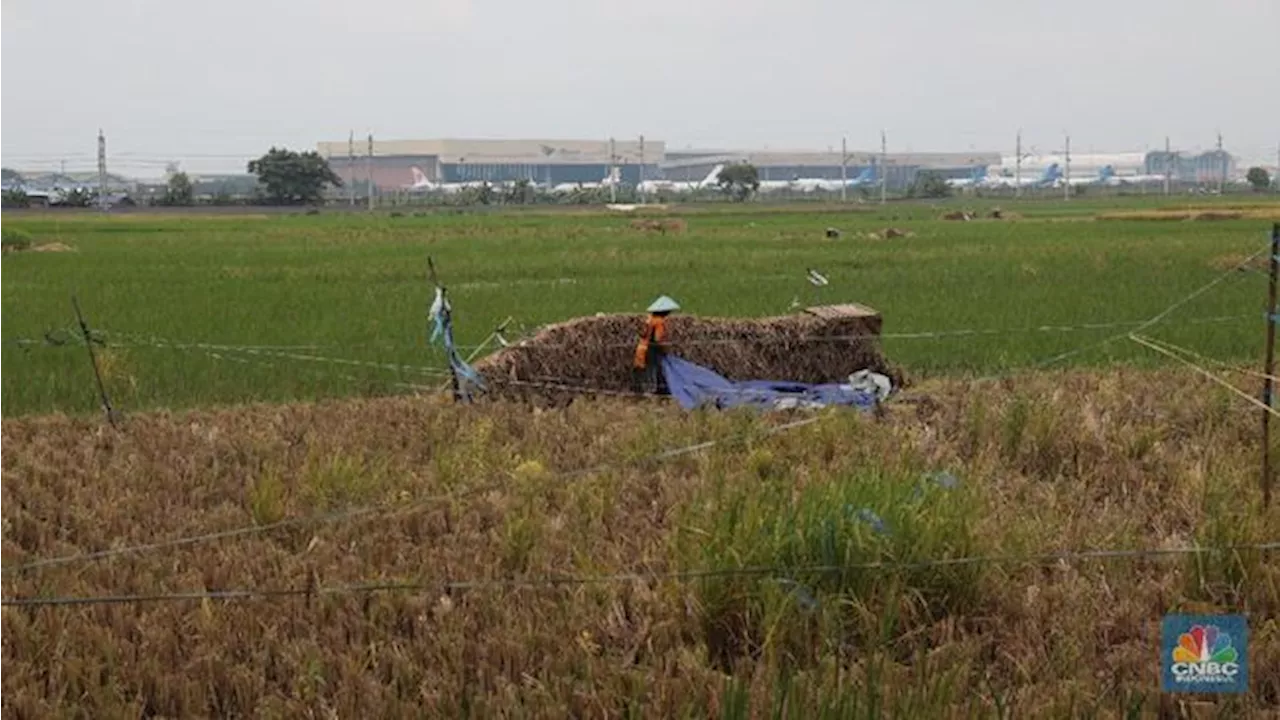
pixel 53 247
pixel 595 353
pixel 889 233
pixel 1195 214
pixel 665 225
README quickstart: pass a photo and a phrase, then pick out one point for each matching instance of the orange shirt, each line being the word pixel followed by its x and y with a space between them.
pixel 658 324
pixel 655 331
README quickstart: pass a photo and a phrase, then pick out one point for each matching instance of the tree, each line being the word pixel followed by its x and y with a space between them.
pixel 1258 178
pixel 79 198
pixel 221 197
pixel 291 178
pixel 179 191
pixel 16 198
pixel 929 185
pixel 739 180
pixel 520 192
pixel 482 194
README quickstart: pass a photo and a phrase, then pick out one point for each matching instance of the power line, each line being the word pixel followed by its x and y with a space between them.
pixel 637 576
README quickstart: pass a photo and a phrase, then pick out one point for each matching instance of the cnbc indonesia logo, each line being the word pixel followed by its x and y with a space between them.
pixel 1206 654
pixel 1202 654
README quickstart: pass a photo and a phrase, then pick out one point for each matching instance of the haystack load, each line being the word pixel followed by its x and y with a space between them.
pixel 822 345
pixel 660 225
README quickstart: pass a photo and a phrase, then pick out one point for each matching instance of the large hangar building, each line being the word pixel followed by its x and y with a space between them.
pixel 553 162
pixel 544 162
pixel 900 169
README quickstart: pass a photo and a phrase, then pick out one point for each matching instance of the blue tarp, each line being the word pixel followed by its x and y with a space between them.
pixel 695 386
pixel 441 316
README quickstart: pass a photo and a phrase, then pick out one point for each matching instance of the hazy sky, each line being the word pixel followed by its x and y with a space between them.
pixel 212 83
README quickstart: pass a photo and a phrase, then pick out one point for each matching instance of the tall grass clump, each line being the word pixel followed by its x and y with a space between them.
pixel 1235 575
pixel 838 564
pixel 15 239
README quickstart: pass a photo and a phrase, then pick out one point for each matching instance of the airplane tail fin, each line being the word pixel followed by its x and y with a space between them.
pixel 419 177
pixel 1051 173
pixel 712 177
pixel 867 175
pixel 1107 172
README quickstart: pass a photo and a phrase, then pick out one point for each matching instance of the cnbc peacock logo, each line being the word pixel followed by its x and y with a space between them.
pixel 1206 653
pixel 1202 654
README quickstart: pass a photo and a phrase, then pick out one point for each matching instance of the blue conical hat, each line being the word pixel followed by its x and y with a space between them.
pixel 663 304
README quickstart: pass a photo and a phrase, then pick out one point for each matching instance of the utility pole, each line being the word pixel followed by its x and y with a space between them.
pixel 884 168
pixel 613 172
pixel 1017 167
pixel 844 175
pixel 351 168
pixel 1222 176
pixel 640 183
pixel 1270 367
pixel 368 169
pixel 1168 165
pixel 1066 183
pixel 102 170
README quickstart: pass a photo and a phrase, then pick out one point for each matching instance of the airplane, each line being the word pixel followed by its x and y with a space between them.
pixel 1106 176
pixel 651 186
pixel 1052 176
pixel 613 178
pixel 1136 179
pixel 866 177
pixel 422 183
pixel 804 185
pixel 975 178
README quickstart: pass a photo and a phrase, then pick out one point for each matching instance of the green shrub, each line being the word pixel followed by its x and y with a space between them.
pixel 15 198
pixel 787 568
pixel 14 239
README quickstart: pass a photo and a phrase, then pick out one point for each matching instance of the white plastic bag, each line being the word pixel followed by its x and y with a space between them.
pixel 871 382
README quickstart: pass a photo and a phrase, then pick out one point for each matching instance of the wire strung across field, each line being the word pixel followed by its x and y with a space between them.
pixel 1156 345
pixel 1226 366
pixel 383 510
pixel 638 576
pixel 281 350
pixel 252 350
pixel 1154 319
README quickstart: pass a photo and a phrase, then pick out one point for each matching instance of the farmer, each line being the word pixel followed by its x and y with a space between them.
pixel 647 372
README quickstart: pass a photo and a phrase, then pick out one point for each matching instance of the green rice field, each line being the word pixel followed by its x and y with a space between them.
pixel 313 306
